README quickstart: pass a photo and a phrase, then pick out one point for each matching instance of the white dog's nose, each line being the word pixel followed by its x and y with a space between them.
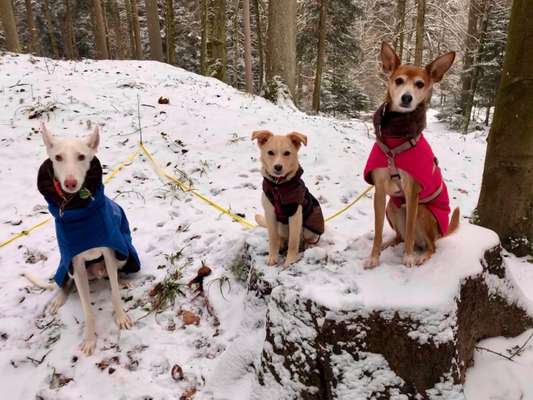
pixel 70 183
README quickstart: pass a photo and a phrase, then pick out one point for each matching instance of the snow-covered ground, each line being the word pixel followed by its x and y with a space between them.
pixel 204 133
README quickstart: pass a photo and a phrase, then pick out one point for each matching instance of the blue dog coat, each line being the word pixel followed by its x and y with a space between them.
pixel 101 223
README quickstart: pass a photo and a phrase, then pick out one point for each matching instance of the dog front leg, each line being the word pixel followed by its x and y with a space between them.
pixel 379 221
pixel 82 284
pixel 60 297
pixel 410 188
pixel 274 240
pixel 121 318
pixel 295 236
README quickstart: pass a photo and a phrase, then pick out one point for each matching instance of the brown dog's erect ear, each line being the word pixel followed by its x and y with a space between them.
pixel 48 137
pixel 262 136
pixel 297 139
pixel 389 59
pixel 94 138
pixel 438 67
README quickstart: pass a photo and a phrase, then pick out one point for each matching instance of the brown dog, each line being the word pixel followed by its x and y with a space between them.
pixel 402 164
pixel 291 213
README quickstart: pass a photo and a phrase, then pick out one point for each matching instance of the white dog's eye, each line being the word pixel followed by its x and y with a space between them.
pixel 81 157
pixel 59 158
pixel 287 153
pixel 270 153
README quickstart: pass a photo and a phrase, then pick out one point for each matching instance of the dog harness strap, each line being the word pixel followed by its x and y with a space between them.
pixel 432 196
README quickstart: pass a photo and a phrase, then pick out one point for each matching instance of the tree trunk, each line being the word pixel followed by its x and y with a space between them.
pixel 475 69
pixel 420 20
pixel 259 44
pixel 102 51
pixel 321 54
pixel 170 28
pixel 106 30
pixel 35 46
pixel 50 28
pixel 10 25
pixel 471 43
pixel 216 40
pixel 281 46
pixel 400 27
pixel 247 47
pixel 136 30
pixel 235 44
pixel 69 38
pixel 203 51
pixel 116 23
pixel 154 30
pixel 506 200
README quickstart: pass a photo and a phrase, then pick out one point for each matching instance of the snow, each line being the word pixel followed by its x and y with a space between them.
pixel 204 134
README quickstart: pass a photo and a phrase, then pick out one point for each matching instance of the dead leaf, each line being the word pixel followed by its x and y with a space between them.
pixel 163 100
pixel 200 275
pixel 188 394
pixel 190 318
pixel 177 373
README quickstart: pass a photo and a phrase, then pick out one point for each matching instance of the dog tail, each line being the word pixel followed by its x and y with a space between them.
pixel 261 221
pixel 38 281
pixel 454 221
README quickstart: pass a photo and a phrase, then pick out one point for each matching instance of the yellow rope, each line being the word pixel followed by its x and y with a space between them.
pixel 27 231
pixel 359 197
pixel 187 188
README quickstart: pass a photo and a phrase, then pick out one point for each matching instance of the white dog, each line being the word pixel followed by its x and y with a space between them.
pixel 92 230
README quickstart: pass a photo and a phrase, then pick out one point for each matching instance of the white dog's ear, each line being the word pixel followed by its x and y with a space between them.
pixel 94 139
pixel 297 139
pixel 48 137
pixel 262 137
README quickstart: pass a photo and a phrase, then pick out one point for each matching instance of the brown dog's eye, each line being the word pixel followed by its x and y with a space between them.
pixel 59 158
pixel 270 153
pixel 81 157
pixel 398 81
pixel 287 153
pixel 419 84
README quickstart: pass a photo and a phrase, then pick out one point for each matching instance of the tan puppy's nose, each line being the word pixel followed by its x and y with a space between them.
pixel 70 182
pixel 278 167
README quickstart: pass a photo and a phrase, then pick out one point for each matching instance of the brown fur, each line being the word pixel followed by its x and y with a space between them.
pixel 414 224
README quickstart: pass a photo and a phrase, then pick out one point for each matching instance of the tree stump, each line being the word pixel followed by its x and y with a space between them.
pixel 336 331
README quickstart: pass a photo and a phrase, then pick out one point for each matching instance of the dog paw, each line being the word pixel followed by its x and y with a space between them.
pixel 123 320
pixel 409 260
pixel 371 262
pixel 272 260
pixel 88 345
pixel 56 304
pixel 291 259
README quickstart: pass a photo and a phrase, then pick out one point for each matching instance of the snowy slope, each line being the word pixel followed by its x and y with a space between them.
pixel 204 133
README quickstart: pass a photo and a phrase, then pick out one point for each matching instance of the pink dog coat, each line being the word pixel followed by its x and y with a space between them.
pixel 421 164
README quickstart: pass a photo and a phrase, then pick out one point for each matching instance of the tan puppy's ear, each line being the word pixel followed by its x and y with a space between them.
pixel 438 67
pixel 389 59
pixel 262 137
pixel 297 139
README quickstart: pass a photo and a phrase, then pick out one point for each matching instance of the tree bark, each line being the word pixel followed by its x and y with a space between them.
pixel 506 200
pixel 247 47
pixel 170 32
pixel 420 21
pixel 260 50
pixel 235 43
pixel 471 43
pixel 10 25
pixel 50 28
pixel 400 27
pixel 281 45
pixel 321 54
pixel 116 23
pixel 154 30
pixel 216 40
pixel 35 46
pixel 102 51
pixel 69 38
pixel 136 30
pixel 203 51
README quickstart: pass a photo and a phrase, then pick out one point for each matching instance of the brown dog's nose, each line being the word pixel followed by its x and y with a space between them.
pixel 407 98
pixel 278 167
pixel 71 183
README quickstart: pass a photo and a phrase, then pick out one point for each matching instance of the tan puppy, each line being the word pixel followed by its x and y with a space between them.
pixel 399 123
pixel 291 213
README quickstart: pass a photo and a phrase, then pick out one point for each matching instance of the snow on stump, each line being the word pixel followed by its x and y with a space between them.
pixel 336 331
